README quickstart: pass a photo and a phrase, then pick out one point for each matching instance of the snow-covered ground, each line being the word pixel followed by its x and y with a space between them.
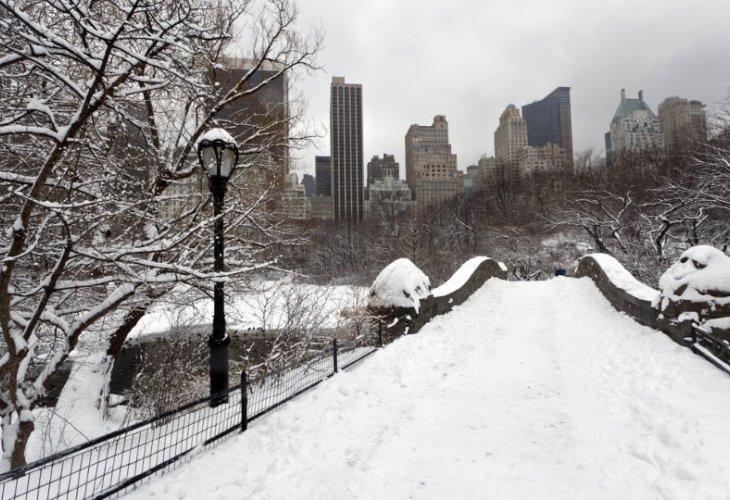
pixel 528 390
pixel 77 416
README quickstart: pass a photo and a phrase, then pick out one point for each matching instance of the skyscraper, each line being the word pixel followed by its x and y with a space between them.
pixel 684 124
pixel 323 173
pixel 430 165
pixel 380 168
pixel 346 150
pixel 310 185
pixel 259 121
pixel 509 140
pixel 549 122
pixel 634 129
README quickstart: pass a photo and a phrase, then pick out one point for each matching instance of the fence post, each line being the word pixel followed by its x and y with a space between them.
pixel 380 333
pixel 334 354
pixel 244 401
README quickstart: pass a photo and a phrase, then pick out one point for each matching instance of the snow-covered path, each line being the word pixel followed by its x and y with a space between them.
pixel 528 390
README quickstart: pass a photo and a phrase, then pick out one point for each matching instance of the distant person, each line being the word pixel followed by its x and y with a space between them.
pixel 561 271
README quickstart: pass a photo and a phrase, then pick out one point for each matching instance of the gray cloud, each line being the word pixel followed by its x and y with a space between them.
pixel 468 59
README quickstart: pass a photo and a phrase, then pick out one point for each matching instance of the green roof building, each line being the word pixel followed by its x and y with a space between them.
pixel 634 128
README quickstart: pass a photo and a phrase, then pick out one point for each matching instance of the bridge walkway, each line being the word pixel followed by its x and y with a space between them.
pixel 527 390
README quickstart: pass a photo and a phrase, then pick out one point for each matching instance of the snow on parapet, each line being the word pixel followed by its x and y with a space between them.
pixel 702 274
pixel 460 277
pixel 400 284
pixel 621 278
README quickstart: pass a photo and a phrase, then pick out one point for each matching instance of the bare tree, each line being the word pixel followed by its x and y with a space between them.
pixel 102 103
pixel 603 216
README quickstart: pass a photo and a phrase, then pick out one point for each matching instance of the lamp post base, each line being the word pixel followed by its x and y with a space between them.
pixel 218 370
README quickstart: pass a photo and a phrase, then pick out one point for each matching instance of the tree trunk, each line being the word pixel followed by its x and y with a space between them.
pixel 116 341
pixel 25 429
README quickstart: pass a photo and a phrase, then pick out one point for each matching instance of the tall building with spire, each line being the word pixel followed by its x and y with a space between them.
pixel 431 171
pixel 346 150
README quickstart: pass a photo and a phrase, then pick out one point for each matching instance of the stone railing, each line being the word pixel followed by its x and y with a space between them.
pixel 628 295
pixel 465 281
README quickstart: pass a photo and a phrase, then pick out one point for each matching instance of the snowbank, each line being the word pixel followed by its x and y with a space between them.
pixel 400 284
pixel 621 278
pixel 460 277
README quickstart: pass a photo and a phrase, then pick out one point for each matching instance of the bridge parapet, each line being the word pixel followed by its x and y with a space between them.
pixel 465 281
pixel 672 315
pixel 622 290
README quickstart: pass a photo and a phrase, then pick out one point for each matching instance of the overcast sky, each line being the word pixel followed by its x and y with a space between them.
pixel 469 59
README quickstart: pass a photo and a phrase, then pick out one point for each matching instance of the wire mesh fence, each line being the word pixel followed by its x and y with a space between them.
pixel 108 464
pixel 281 386
pixel 113 463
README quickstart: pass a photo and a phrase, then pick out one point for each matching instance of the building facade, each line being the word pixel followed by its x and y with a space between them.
pixel 390 199
pixel 634 129
pixel 294 203
pixel 260 120
pixel 346 150
pixel 323 174
pixel 310 185
pixel 684 124
pixel 380 168
pixel 322 207
pixel 549 121
pixel 472 172
pixel 488 170
pixel 431 171
pixel 538 160
pixel 510 139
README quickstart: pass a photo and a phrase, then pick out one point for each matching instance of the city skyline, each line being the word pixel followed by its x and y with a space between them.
pixel 488 56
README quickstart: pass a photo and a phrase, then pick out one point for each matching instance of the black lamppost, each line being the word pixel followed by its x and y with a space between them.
pixel 218 155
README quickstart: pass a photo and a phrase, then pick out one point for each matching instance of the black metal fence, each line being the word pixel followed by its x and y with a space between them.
pixel 113 463
pixel 715 350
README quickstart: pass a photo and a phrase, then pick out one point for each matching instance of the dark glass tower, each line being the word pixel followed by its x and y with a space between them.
pixel 346 150
pixel 548 121
pixel 323 173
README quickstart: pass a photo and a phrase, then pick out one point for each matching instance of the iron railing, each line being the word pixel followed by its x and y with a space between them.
pixel 715 350
pixel 115 462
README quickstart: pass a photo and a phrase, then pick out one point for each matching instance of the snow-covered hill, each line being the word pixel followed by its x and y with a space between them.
pixel 528 390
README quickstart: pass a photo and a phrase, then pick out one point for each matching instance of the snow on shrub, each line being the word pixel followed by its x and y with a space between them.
pixel 701 275
pixel 400 284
